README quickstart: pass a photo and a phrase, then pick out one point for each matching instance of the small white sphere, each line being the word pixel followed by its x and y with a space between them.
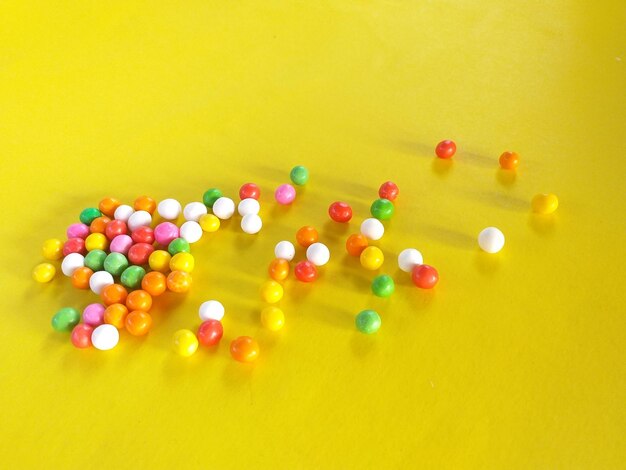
pixel 251 223
pixel 139 219
pixel 211 310
pixel 373 229
pixel 224 208
pixel 194 210
pixel 99 280
pixel 191 231
pixel 285 250
pixel 248 206
pixel 408 259
pixel 318 254
pixel 123 212
pixel 71 263
pixel 491 240
pixel 169 209
pixel 105 337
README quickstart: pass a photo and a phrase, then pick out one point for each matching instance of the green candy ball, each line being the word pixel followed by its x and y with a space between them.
pixel 178 245
pixel 132 276
pixel 115 263
pixel 65 319
pixel 383 285
pixel 299 175
pixel 210 196
pixel 87 215
pixel 382 209
pixel 95 260
pixel 368 322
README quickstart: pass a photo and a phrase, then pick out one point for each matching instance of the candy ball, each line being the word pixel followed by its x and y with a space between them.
pixel 305 271
pixel 95 260
pixel 114 294
pixel 545 203
pixel 96 241
pixel 210 196
pixel 121 244
pixel 93 314
pixel 105 337
pixel 211 310
pixel 178 245
pixel 248 206
pixel 132 276
pixel 355 244
pixel 388 190
pixel 123 212
pixel 285 250
pixel 182 262
pixel 372 258
pixel 169 209
pixel 115 228
pixel 244 349
pixel 509 161
pixel 372 229
pixel 318 254
pixel 87 215
pixel 65 319
pixel 340 212
pixel 98 225
pixel 491 240
pixel 210 332
pixel 408 259
pixel 143 235
pixel 80 277
pixel 299 175
pixel 77 231
pixel 179 281
pixel 445 149
pixel 74 245
pixel 52 249
pixel 368 322
pixel 44 272
pixel 251 223
pixel 115 263
pixel 383 286
pixel 108 205
pixel 306 236
pixel 81 336
pixel 160 261
pixel 425 276
pixel 115 314
pixel 249 190
pixel 138 322
pixel 145 203
pixel 154 283
pixel 139 219
pixel 139 300
pixel 194 210
pixel 185 342
pixel 224 208
pixel 279 269
pixel 382 209
pixel 209 223
pixel 272 318
pixel 71 263
pixel 271 292
pixel 99 280
pixel 285 194
pixel 191 231
pixel 165 232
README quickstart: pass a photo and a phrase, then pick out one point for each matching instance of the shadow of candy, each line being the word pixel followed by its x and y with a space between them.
pixel 506 178
pixel 441 167
pixel 486 263
pixel 448 236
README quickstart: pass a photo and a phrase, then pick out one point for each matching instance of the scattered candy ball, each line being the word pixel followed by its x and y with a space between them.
pixel 279 269
pixel 81 336
pixel 77 231
pixel 185 343
pixel 140 253
pixel 211 310
pixel 140 219
pixel 318 254
pixel 285 194
pixel 123 212
pixel 108 205
pixel 80 277
pixel 249 190
pixel 87 215
pixel 368 322
pixel 299 175
pixel 165 233
pixel 408 259
pixel 132 276
pixel 383 286
pixel 96 241
pixel 71 263
pixel 99 280
pixel 115 314
pixel 491 240
pixel 545 203
pixel 382 209
pixel 169 209
pixel 65 319
pixel 306 236
pixel 209 223
pixel 44 272
pixel 305 271
pixel 248 206
pixel 272 318
pixel 210 332
pixel 179 281
pixel 191 231
pixel 105 337
pixel 194 210
pixel 340 212
pixel 271 291
pixel 388 190
pixel 52 249
pixel 93 314
pixel 355 244
pixel 142 235
pixel 121 244
pixel 145 203
pixel 160 261
pixel 182 262
pixel 114 294
pixel 139 300
pixel 98 225
pixel 285 250
pixel 210 196
pixel 224 208
pixel 372 258
pixel 509 161
pixel 178 245
pixel 74 245
pixel 115 263
pixel 425 276
pixel 251 223
pixel 95 260
pixel 244 349
pixel 138 322
pixel 154 283
pixel 445 149
pixel 372 229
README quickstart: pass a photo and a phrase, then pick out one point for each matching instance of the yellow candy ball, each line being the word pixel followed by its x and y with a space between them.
pixel 209 223
pixel 182 262
pixel 372 258
pixel 272 318
pixel 545 203
pixel 159 260
pixel 185 342
pixel 96 241
pixel 271 292
pixel 44 272
pixel 52 249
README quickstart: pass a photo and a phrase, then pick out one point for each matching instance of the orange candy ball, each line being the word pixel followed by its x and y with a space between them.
pixel 139 300
pixel 145 203
pixel 306 236
pixel 98 225
pixel 355 244
pixel 108 205
pixel 115 314
pixel 179 281
pixel 154 283
pixel 114 294
pixel 138 323
pixel 244 349
pixel 80 277
pixel 279 269
pixel 509 161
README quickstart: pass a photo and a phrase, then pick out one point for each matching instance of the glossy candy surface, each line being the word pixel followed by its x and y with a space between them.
pixel 249 190
pixel 81 276
pixel 383 286
pixel 340 212
pixel 52 249
pixel 87 215
pixel 284 250
pixel 65 319
pixel 244 349
pixel 491 240
pixel 305 271
pixel 373 229
pixel 388 190
pixel 185 342
pixel 140 253
pixel 425 276
pixel 210 196
pixel 154 283
pixel 138 322
pixel 169 209
pixel 382 209
pixel 285 194
pixel 105 337
pixel 509 161
pixel 210 332
pixel 355 244
pixel 279 269
pixel 93 314
pixel 132 276
pixel 272 318
pixel 306 236
pixel 318 254
pixel 209 223
pixel 368 321
pixel 271 292
pixel 115 314
pixel 372 258
pixel 81 336
pixel 299 175
pixel 224 208
pixel 445 149
pixel 165 233
pixel 211 310
pixel 408 259
pixel 44 272
pixel 545 203
pixel 179 281
pixel 108 205
pixel 139 300
pixel 99 280
pixel 160 261
pixel 182 262
pixel 115 263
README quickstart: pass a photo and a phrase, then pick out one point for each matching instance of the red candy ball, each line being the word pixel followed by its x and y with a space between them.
pixel 445 149
pixel 210 332
pixel 305 271
pixel 425 276
pixel 74 245
pixel 115 228
pixel 340 211
pixel 388 190
pixel 139 253
pixel 249 190
pixel 143 235
pixel 81 335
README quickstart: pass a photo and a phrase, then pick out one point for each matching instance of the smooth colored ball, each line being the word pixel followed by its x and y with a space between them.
pixel 123 212
pixel 372 258
pixel 271 292
pixel 211 310
pixel 191 231
pixel 143 235
pixel 139 300
pixel 44 272
pixel 340 212
pixel 138 322
pixel 115 314
pixel 284 250
pixel 165 232
pixel 388 190
pixel 52 249
pixel 545 203
pixel 99 280
pixel 299 175
pixel 408 259
pixel 210 196
pixel 108 205
pixel 145 203
pixel 373 229
pixel 244 349
pixel 248 206
pixel 209 223
pixel 249 190
pixel 224 208
pixel 445 149
pixel 305 271
pixel 95 260
pixel 285 194
pixel 87 215
pixel 115 228
pixel 77 231
pixel 99 224
pixel 383 286
pixel 169 209
pixel 81 336
pixel 210 332
pixel 96 241
pixel 154 283
pixel 182 262
pixel 318 254
pixel 368 322
pixel 74 245
pixel 115 263
pixel 65 319
pixel 178 245
pixel 185 342
pixel 251 224
pixel 132 276
pixel 279 269
pixel 80 277
pixel 71 263
pixel 121 244
pixel 140 253
pixel 194 210
pixel 139 219
pixel 491 240
pixel 105 337
pixel 160 261
pixel 114 294
pixel 272 318
pixel 179 281
pixel 355 244
pixel 425 276
pixel 93 314
pixel 382 209
pixel 306 236
pixel 509 161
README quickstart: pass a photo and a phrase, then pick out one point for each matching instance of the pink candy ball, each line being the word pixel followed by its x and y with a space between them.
pixel 93 314
pixel 285 194
pixel 165 232
pixel 121 244
pixel 77 231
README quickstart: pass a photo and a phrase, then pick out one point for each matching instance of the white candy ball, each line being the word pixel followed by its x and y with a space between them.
pixel 99 280
pixel 105 337
pixel 139 219
pixel 123 212
pixel 251 224
pixel 409 258
pixel 169 209
pixel 318 254
pixel 211 310
pixel 491 240
pixel 194 210
pixel 224 208
pixel 285 250
pixel 71 263
pixel 248 206
pixel 191 231
pixel 372 229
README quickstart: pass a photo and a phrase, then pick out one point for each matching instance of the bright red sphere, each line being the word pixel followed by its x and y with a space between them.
pixel 445 149
pixel 305 271
pixel 425 276
pixel 139 253
pixel 388 190
pixel 81 335
pixel 340 211
pixel 115 228
pixel 249 190
pixel 210 332
pixel 74 245
pixel 143 235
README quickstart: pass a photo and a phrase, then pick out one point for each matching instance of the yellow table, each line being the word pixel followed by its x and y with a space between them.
pixel 515 360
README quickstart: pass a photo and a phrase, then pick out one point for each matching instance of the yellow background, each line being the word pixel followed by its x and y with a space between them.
pixel 515 360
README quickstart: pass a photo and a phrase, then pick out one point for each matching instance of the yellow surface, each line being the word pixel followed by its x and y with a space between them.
pixel 516 360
